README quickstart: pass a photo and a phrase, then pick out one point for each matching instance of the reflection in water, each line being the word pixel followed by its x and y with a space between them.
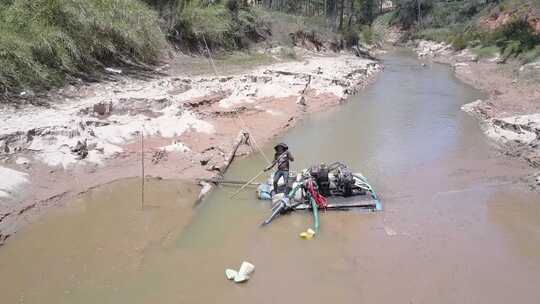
pixel 466 233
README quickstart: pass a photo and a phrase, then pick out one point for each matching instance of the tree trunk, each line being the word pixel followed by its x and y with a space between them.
pixel 351 14
pixel 341 14
pixel 419 14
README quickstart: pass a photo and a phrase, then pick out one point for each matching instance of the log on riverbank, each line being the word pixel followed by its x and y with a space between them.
pixel 208 185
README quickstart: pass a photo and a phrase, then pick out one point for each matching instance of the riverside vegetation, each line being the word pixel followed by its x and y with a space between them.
pixel 47 43
pixel 510 28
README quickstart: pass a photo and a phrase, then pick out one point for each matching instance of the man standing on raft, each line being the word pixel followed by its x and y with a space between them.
pixel 282 159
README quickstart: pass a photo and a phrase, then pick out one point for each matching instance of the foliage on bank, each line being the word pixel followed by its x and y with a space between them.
pixel 228 24
pixel 346 20
pixel 48 42
pixel 506 27
pixel 45 41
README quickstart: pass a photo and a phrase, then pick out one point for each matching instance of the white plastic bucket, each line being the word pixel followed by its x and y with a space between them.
pixel 240 278
pixel 246 269
pixel 231 274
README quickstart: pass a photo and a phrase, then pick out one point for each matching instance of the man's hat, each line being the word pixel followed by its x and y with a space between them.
pixel 282 145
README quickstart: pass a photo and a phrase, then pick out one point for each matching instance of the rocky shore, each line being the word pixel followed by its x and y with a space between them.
pixel 510 115
pixel 83 137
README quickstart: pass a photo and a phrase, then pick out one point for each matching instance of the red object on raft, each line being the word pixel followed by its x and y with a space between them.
pixel 321 201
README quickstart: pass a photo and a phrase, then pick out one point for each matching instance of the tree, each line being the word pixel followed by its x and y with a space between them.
pixel 340 14
pixel 342 6
pixel 368 10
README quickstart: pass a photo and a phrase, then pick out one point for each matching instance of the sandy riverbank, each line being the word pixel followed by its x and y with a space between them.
pixel 88 136
pixel 510 115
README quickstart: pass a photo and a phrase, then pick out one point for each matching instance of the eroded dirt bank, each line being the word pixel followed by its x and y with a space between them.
pixel 510 114
pixel 84 137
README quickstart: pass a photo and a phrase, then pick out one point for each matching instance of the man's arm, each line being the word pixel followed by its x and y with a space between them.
pixel 278 158
pixel 270 166
pixel 291 158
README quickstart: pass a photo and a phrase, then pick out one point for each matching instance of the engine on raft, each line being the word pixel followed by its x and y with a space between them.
pixel 332 181
pixel 326 187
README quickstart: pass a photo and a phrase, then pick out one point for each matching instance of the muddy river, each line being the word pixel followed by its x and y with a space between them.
pixel 458 226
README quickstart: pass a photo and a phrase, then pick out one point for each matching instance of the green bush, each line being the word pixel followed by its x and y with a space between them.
pixel 514 38
pixel 215 21
pixel 250 27
pixel 369 35
pixel 459 43
pixel 469 37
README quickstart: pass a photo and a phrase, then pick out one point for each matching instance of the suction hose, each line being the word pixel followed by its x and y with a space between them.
pixel 293 191
pixel 315 209
pixel 281 207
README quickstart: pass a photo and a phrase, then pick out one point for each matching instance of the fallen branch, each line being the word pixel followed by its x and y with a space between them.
pixel 242 138
pixel 363 53
pixel 206 188
pixel 302 100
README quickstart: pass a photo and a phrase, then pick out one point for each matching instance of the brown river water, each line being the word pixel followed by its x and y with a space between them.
pixel 457 225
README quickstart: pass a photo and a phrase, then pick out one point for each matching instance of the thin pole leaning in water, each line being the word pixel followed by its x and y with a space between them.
pixel 247 184
pixel 142 169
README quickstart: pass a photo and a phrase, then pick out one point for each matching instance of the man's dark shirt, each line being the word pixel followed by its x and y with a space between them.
pixel 283 161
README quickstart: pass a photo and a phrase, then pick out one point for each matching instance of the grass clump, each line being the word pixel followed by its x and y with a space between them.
pixel 288 53
pixel 214 22
pixel 485 51
pixel 44 41
pixel 242 59
pixel 282 24
pixel 531 55
pixel 223 25
pixel 435 34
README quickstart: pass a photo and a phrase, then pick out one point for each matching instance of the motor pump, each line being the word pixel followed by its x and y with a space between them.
pixel 345 181
pixel 320 174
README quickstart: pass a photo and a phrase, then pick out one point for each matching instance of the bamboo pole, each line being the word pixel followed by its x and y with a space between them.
pixel 247 184
pixel 209 54
pixel 256 176
pixel 222 181
pixel 251 142
pixel 142 169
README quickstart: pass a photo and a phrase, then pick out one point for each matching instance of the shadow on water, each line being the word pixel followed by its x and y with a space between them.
pixel 458 217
